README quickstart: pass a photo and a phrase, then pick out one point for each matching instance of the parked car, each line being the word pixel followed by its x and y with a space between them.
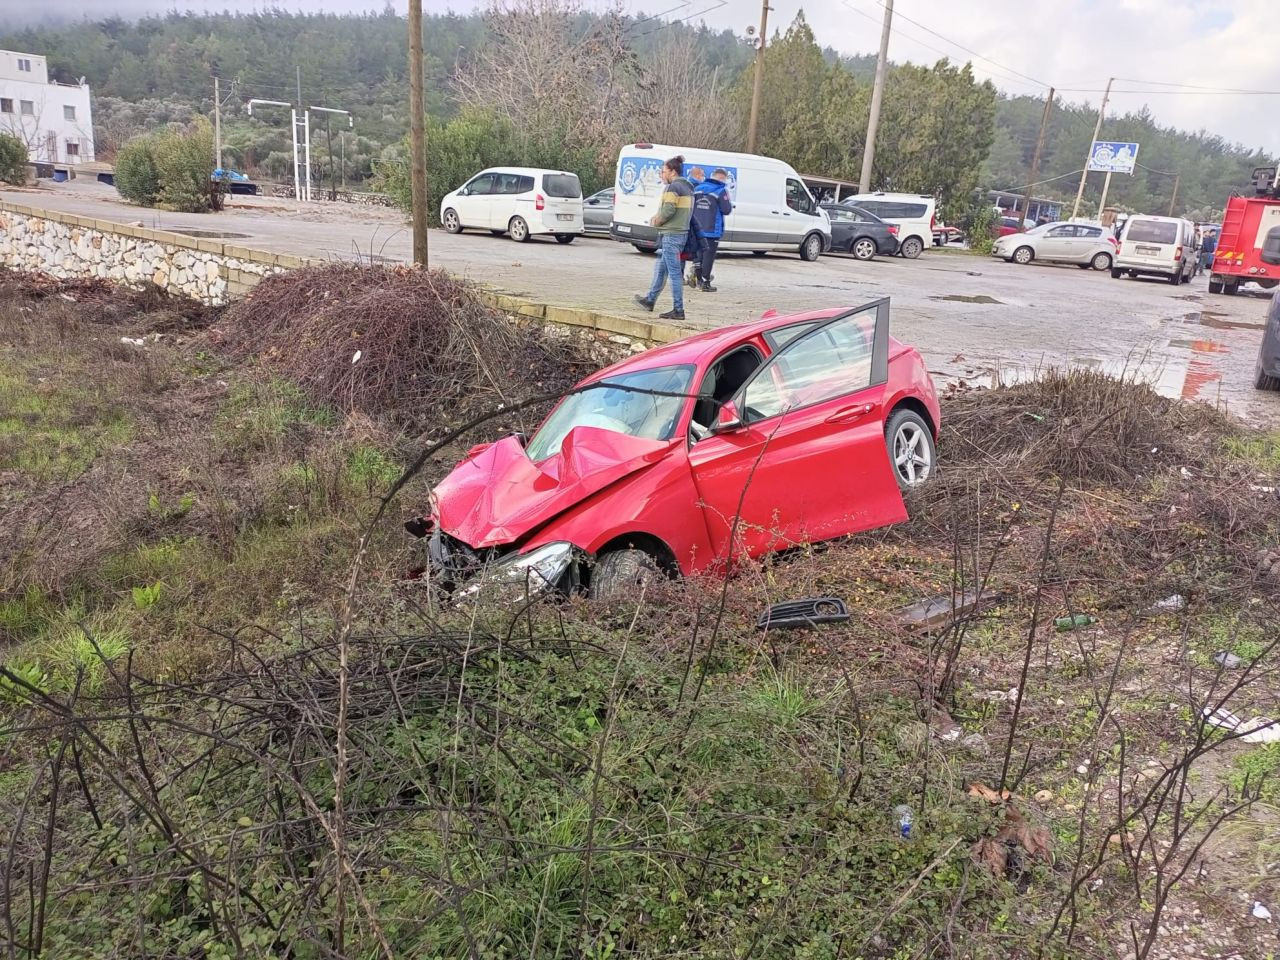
pixel 1157 246
pixel 913 213
pixel 597 211
pixel 860 233
pixel 1084 244
pixel 686 458
pixel 772 208
pixel 1007 226
pixel 943 234
pixel 520 201
pixel 1267 373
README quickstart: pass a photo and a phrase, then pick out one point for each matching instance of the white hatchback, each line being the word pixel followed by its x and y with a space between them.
pixel 1082 243
pixel 520 201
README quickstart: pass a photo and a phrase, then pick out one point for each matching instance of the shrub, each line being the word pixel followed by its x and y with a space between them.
pixel 13 160
pixel 171 169
pixel 136 177
pixel 978 231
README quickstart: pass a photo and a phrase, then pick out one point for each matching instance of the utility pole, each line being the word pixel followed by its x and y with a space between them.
pixel 1035 157
pixel 1097 127
pixel 217 123
pixel 757 86
pixel 1177 178
pixel 877 93
pixel 417 136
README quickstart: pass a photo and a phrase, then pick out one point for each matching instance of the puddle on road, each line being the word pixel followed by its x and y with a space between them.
pixel 208 234
pixel 963 298
pixel 1214 321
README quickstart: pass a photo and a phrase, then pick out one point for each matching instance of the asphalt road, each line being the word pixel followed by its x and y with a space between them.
pixel 973 318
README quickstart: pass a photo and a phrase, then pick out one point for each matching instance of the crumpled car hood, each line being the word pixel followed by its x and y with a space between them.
pixel 499 495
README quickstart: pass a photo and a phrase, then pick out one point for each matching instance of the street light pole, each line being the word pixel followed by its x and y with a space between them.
pixel 417 136
pixel 877 94
pixel 1097 128
pixel 757 86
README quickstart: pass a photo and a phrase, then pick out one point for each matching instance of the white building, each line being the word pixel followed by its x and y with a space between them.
pixel 51 118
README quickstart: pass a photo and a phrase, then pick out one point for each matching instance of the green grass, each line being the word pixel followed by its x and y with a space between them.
pixel 258 416
pixel 1259 451
pixel 53 433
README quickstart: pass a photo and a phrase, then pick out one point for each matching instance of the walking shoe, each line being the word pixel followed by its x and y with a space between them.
pixel 672 315
pixel 691 280
pixel 642 302
pixel 706 287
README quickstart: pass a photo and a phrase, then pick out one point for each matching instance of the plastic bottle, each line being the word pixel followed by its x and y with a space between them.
pixel 1063 624
pixel 906 819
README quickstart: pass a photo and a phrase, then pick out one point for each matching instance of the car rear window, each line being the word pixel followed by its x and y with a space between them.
pixel 908 211
pixel 561 185
pixel 1152 231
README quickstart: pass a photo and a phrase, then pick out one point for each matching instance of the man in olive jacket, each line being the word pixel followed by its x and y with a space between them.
pixel 672 220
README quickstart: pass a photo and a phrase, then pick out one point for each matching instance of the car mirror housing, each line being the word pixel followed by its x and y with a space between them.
pixel 728 419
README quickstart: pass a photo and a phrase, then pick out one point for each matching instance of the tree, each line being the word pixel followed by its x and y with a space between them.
pixel 13 160
pixel 172 169
pixel 795 72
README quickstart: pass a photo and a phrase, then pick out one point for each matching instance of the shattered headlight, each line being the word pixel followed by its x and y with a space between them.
pixel 526 574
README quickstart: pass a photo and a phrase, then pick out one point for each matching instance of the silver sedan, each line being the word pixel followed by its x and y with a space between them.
pixel 597 211
pixel 1084 244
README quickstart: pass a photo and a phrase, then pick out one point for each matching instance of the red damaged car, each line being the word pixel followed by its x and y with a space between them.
pixel 688 457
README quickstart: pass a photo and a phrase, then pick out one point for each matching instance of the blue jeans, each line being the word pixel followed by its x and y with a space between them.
pixel 668 266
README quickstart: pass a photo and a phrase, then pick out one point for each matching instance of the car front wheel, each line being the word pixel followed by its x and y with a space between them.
pixel 863 249
pixel 911 448
pixel 912 248
pixel 451 222
pixel 811 249
pixel 1023 255
pixel 620 573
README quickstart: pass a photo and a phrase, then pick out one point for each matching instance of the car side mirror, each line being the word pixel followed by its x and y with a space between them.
pixel 728 419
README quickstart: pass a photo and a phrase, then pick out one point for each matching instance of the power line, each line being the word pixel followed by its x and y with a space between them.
pixel 996 63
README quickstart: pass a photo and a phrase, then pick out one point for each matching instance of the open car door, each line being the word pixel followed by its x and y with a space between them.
pixel 800 454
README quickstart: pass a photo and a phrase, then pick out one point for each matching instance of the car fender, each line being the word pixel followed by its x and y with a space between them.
pixel 909 379
pixel 661 502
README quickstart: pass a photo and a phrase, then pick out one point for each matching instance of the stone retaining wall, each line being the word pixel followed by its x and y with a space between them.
pixel 67 246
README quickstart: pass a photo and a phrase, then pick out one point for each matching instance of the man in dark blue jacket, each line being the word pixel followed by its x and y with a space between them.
pixel 711 204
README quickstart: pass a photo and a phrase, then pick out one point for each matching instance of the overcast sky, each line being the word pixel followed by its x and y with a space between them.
pixel 1021 45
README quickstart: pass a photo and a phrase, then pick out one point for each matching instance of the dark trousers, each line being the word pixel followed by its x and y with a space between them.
pixel 708 258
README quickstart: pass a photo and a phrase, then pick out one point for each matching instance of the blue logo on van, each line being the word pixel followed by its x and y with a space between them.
pixel 641 174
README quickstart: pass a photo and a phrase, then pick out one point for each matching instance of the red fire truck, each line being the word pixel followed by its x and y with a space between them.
pixel 1249 246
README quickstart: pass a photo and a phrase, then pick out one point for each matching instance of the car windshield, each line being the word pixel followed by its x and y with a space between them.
pixel 561 185
pixel 1152 231
pixel 644 404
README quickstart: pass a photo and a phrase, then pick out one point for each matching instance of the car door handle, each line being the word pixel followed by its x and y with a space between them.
pixel 850 414
pixel 774 212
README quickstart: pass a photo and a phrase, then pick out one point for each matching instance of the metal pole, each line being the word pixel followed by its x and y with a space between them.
pixel 877 93
pixel 757 86
pixel 217 122
pixel 1106 187
pixel 306 124
pixel 1097 127
pixel 1177 178
pixel 1035 157
pixel 293 129
pixel 417 136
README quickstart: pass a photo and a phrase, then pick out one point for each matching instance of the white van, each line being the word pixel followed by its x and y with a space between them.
pixel 1157 246
pixel 521 201
pixel 772 208
pixel 912 212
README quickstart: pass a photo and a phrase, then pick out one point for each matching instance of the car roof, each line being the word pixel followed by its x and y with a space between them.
pixel 525 170
pixel 705 346
pixel 889 196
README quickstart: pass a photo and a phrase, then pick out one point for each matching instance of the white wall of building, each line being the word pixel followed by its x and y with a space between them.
pixel 52 119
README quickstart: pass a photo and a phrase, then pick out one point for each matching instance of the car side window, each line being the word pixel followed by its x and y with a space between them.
pixel 482 184
pixel 825 363
pixel 1092 232
pixel 798 198
pixel 1062 232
